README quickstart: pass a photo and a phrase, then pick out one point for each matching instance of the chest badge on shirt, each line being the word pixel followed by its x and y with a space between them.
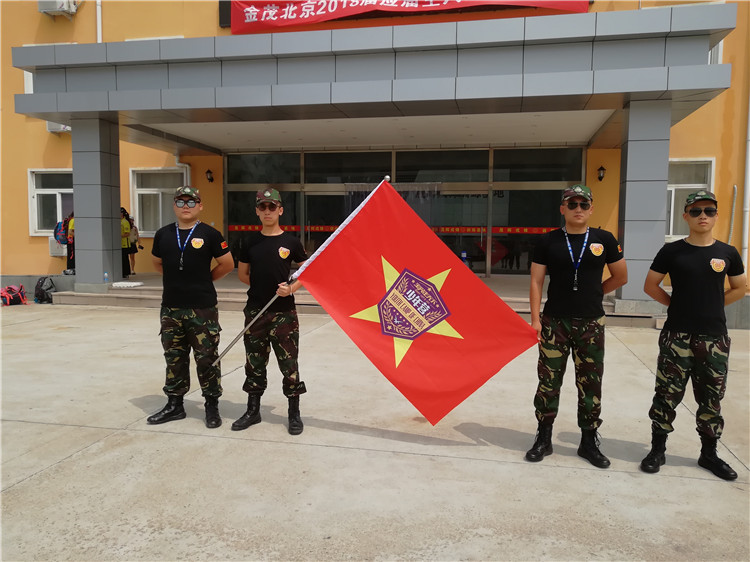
pixel 284 252
pixel 718 265
pixel 197 243
pixel 596 249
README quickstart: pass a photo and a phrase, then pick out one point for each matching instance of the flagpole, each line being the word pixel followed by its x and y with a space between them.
pixel 297 273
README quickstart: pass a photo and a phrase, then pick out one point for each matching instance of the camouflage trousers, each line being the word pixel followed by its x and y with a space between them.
pixel 196 328
pixel 585 338
pixel 705 359
pixel 279 330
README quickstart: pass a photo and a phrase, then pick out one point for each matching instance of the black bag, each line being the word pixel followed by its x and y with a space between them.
pixel 43 290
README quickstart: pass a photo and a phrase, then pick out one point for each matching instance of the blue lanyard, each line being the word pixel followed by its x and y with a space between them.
pixel 576 264
pixel 180 245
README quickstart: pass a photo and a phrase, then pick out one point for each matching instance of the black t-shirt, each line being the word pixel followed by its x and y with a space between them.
pixel 697 274
pixel 192 286
pixel 552 251
pixel 270 259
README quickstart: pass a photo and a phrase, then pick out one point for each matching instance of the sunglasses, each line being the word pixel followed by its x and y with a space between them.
pixel 585 205
pixel 180 203
pixel 270 206
pixel 696 211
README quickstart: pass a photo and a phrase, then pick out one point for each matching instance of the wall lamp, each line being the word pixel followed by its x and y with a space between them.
pixel 599 173
pixel 210 176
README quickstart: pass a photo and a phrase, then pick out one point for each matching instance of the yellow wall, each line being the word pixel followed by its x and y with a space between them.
pixel 606 192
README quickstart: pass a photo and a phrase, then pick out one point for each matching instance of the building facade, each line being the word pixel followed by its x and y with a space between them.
pixel 480 118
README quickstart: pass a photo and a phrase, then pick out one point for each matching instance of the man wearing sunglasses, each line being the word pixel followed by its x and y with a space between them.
pixel 573 319
pixel 265 262
pixel 694 343
pixel 183 252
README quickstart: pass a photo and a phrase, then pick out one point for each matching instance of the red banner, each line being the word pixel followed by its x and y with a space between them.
pixel 254 16
pixel 423 318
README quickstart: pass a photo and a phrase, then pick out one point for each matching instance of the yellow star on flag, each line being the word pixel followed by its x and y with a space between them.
pixel 402 345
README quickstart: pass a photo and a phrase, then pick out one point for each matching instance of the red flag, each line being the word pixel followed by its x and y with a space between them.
pixel 414 309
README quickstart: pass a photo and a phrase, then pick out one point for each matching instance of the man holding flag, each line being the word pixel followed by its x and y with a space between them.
pixel 573 319
pixel 265 264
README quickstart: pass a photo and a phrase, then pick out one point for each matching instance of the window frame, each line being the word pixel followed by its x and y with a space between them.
pixel 689 187
pixel 136 191
pixel 33 191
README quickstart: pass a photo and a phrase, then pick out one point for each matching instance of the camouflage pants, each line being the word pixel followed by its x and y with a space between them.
pixel 682 356
pixel 585 337
pixel 280 330
pixel 181 329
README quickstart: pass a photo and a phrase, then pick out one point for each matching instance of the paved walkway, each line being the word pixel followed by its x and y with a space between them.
pixel 85 478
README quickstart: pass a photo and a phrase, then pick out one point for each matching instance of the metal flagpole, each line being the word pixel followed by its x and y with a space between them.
pixel 299 271
pixel 238 336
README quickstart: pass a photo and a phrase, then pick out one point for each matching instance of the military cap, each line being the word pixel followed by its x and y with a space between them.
pixel 268 196
pixel 187 191
pixel 577 191
pixel 701 195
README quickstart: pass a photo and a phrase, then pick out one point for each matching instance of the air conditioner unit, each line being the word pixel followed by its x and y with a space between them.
pixel 57 250
pixel 53 127
pixel 58 7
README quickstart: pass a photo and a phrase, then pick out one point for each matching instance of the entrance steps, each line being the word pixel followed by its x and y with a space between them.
pixel 234 299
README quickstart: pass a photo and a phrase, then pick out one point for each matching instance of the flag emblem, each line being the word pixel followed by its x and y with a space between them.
pixel 224 245
pixel 717 265
pixel 284 252
pixel 197 243
pixel 596 249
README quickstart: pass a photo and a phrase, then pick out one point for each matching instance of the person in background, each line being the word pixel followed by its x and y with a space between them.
pixel 71 262
pixel 135 243
pixel 125 241
pixel 694 342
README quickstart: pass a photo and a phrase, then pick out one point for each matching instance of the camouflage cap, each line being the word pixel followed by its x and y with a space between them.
pixel 268 196
pixel 701 195
pixel 578 190
pixel 187 191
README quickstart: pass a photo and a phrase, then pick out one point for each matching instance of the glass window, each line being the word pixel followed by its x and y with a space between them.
pixel 263 168
pixel 347 167
pixel 684 179
pixel 154 191
pixel 51 200
pixel 538 164
pixel 442 166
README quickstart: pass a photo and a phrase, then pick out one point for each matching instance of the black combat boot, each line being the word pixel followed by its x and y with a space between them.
pixel 213 419
pixel 543 444
pixel 589 449
pixel 295 422
pixel 252 416
pixel 656 457
pixel 710 461
pixel 174 410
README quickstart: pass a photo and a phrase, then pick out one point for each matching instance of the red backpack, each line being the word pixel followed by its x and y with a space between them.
pixel 13 294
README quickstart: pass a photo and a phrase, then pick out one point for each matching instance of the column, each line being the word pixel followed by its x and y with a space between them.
pixel 96 200
pixel 643 195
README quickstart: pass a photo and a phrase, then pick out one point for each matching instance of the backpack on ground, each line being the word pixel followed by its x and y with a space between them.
pixel 13 294
pixel 61 231
pixel 43 290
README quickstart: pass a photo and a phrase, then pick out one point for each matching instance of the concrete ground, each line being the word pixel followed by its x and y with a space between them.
pixel 85 478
